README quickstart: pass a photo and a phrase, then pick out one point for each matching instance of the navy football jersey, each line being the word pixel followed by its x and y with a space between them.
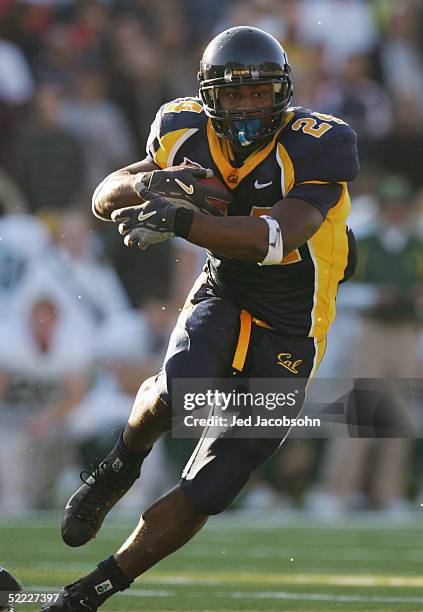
pixel 312 157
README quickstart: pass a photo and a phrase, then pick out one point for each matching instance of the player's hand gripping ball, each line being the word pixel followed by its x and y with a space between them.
pixel 162 193
pixel 189 186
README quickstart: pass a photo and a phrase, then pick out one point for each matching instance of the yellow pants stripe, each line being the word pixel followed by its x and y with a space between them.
pixel 244 338
pixel 243 341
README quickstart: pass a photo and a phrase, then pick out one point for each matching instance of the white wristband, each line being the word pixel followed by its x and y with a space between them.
pixel 275 251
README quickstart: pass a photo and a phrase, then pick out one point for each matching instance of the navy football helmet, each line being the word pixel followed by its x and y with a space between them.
pixel 240 56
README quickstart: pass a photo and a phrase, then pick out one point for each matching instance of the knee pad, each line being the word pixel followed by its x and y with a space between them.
pixel 219 469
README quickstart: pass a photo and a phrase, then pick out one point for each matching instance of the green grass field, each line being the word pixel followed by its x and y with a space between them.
pixel 242 563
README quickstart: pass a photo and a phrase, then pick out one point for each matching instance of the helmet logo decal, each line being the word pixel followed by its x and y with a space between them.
pixel 233 73
pixel 236 73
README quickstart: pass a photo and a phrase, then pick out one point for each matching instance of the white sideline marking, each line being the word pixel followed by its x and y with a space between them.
pixel 262 595
pixel 303 579
pixel 328 580
pixel 319 597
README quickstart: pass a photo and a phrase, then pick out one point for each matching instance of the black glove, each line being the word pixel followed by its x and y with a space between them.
pixel 146 224
pixel 180 184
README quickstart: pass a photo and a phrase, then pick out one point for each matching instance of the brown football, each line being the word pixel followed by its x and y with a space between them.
pixel 222 196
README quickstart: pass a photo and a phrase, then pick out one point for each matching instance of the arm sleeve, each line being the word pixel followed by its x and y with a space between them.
pixel 324 165
pixel 320 195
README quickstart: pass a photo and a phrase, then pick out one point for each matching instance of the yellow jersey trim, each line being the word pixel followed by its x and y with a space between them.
pixel 329 251
pixel 319 352
pixel 169 145
pixel 287 169
pixel 222 155
pixel 315 183
pixel 183 105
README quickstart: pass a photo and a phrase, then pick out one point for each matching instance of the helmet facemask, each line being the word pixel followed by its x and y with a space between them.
pixel 246 127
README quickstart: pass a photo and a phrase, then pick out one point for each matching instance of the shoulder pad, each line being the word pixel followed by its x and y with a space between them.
pixel 175 122
pixel 321 147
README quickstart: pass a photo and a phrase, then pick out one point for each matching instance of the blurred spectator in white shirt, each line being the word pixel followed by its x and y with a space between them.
pixel 129 349
pixel 72 266
pixel 76 258
pixel 16 82
pixel 16 253
pixel 45 361
pixel 401 54
pixel 341 27
pixel 267 15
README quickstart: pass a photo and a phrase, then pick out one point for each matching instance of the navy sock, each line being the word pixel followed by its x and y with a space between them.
pixel 128 455
pixel 104 582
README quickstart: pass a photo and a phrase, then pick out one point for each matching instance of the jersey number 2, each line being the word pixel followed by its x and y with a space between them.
pixel 308 126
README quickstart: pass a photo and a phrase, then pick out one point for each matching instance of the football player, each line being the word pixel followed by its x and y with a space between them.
pixel 269 288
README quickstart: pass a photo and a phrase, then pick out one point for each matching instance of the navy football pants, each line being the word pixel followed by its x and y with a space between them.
pixel 203 345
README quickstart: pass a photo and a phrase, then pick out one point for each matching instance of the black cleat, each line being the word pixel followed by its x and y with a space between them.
pixel 71 600
pixel 8 583
pixel 102 489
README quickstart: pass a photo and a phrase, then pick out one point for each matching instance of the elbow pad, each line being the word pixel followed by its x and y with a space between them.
pixel 275 251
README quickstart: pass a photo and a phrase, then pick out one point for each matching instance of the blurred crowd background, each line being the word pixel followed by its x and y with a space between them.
pixel 84 319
